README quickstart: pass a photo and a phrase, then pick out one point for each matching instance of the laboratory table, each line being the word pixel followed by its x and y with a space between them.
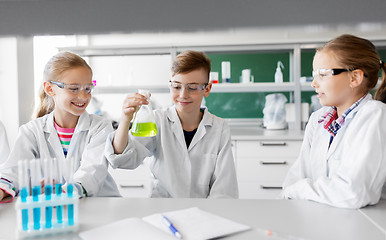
pixel 291 219
pixel 376 214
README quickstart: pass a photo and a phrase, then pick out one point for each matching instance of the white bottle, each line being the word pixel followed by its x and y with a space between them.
pixel 278 73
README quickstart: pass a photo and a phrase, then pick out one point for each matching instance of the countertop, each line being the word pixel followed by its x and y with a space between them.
pixel 259 133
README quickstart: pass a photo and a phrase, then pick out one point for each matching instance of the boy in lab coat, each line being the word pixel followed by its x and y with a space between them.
pixel 191 154
pixel 63 129
pixel 342 161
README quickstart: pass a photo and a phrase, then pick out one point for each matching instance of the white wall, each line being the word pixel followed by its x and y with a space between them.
pixel 9 87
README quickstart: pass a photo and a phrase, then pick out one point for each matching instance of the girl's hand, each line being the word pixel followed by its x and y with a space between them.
pixel 3 194
pixel 131 104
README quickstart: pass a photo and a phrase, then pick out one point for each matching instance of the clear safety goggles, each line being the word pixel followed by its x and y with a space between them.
pixel 75 88
pixel 190 87
pixel 321 73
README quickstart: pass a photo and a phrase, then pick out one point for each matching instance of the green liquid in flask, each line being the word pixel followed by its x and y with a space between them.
pixel 147 129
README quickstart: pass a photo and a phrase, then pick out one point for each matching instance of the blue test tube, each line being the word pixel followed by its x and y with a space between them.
pixel 58 189
pixel 48 189
pixel 23 184
pixel 70 189
pixel 35 179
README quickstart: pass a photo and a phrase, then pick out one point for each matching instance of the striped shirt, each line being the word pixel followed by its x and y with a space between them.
pixel 65 135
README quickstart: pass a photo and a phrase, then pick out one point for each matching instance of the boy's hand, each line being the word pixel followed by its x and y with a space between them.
pixel 131 104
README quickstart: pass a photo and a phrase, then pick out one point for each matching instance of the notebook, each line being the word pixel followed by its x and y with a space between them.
pixel 192 224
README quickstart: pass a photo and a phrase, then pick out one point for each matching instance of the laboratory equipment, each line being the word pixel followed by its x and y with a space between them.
pixel 144 121
pixel 246 76
pixel 278 73
pixel 35 185
pixel 24 187
pixel 70 169
pixel 213 77
pixel 274 111
pixel 40 205
pixel 226 71
pixel 47 163
pixel 58 188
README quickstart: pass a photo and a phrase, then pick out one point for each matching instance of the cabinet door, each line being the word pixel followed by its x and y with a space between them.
pixel 132 183
pixel 263 165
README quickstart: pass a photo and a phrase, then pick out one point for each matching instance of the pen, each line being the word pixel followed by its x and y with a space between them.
pixel 169 224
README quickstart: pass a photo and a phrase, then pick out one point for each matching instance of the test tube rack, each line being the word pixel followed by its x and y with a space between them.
pixel 65 226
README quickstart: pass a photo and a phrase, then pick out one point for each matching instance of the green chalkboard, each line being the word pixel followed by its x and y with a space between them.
pixel 263 67
pixel 245 105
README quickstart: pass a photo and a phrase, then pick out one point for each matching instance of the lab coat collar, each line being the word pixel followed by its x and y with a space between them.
pixel 206 121
pixel 53 139
pixel 353 112
pixel 82 125
pixel 339 135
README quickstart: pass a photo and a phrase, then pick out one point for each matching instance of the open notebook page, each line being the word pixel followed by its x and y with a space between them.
pixel 194 223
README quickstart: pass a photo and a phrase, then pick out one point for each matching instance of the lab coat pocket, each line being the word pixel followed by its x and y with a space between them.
pixel 334 163
pixel 205 168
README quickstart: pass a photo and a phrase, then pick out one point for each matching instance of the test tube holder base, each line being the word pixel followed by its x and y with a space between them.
pixel 64 201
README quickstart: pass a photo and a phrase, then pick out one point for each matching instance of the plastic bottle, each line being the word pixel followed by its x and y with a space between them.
pixel 226 71
pixel 278 73
pixel 144 121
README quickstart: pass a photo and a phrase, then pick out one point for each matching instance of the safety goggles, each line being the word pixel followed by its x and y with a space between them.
pixel 190 87
pixel 321 73
pixel 75 88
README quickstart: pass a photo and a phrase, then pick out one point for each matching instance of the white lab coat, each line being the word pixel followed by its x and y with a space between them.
pixel 349 174
pixel 205 169
pixel 39 139
pixel 4 146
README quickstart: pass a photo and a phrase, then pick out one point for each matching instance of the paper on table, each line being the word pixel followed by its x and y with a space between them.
pixel 194 223
pixel 129 228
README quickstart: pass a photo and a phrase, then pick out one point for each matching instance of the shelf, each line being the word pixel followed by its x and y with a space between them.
pixel 216 88
pixel 306 87
pixel 254 87
pixel 130 89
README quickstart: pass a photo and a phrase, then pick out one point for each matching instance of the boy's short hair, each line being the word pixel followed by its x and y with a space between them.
pixel 188 61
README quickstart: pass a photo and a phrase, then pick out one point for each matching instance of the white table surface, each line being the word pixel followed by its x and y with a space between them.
pixel 299 219
pixel 376 214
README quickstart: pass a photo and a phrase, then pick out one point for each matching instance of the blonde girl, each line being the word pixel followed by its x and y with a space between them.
pixel 63 129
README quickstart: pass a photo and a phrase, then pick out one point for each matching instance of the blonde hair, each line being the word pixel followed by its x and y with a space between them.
pixel 358 53
pixel 188 61
pixel 54 69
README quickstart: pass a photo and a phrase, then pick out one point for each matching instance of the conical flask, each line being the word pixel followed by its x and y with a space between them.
pixel 144 120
